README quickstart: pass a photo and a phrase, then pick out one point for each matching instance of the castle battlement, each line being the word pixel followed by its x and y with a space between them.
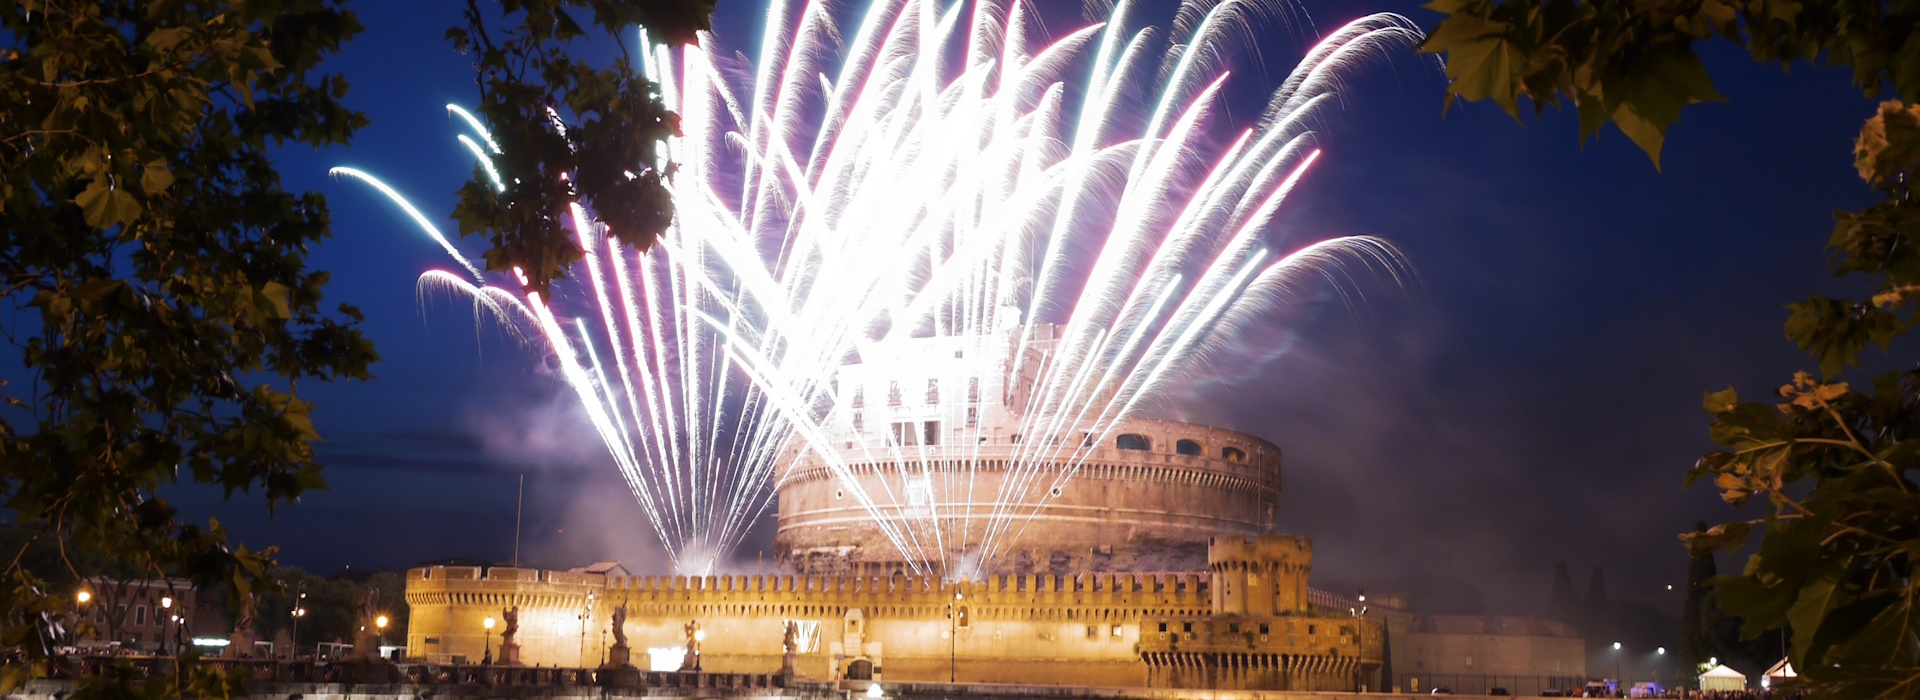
pixel 1101 628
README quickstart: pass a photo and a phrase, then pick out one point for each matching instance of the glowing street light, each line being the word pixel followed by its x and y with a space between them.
pixel 486 659
pixel 1616 663
pixel 84 596
pixel 166 603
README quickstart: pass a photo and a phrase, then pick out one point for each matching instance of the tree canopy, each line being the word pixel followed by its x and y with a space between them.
pixel 1829 462
pixel 154 274
pixel 567 129
pixel 155 280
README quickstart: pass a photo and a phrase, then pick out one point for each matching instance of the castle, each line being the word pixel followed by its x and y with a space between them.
pixel 940 433
pixel 1244 623
pixel 942 532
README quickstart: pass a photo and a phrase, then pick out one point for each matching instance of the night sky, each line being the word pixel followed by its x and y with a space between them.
pixel 1533 397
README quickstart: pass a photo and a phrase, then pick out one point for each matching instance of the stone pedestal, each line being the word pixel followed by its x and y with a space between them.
pixel 618 671
pixel 240 645
pixel 619 656
pixel 509 654
pixel 366 646
pixel 787 672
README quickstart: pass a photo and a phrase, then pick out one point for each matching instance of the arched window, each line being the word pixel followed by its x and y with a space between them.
pixel 1189 448
pixel 1133 441
pixel 1233 454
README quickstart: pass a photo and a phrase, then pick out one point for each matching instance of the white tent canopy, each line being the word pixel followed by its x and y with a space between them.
pixel 1784 669
pixel 1723 678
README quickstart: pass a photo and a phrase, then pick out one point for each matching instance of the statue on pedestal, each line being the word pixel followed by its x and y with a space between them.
pixel 691 661
pixel 790 644
pixel 240 643
pixel 619 656
pixel 509 649
pixel 366 642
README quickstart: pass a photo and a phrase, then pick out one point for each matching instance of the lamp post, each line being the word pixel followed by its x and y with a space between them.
pixel 586 613
pixel 486 659
pixel 1617 681
pixel 380 630
pixel 293 647
pixel 1659 654
pixel 166 604
pixel 81 599
pixel 299 598
pixel 953 636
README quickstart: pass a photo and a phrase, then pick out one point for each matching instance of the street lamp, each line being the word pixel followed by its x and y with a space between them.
pixel 166 603
pixel 953 636
pixel 486 659
pixel 1616 666
pixel 83 597
pixel 294 641
pixel 1360 640
pixel 300 595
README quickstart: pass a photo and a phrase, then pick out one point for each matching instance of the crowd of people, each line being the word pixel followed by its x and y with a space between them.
pixel 1761 694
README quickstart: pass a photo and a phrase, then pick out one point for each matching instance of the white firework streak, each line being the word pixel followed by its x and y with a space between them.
pixel 863 192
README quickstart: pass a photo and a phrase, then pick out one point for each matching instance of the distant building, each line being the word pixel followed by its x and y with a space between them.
pixel 141 614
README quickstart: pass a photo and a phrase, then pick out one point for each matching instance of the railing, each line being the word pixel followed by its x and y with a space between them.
pixel 310 671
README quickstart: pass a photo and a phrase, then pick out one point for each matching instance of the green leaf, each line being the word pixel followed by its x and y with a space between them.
pixel 273 297
pixel 1482 63
pixel 1651 95
pixel 155 178
pixel 104 207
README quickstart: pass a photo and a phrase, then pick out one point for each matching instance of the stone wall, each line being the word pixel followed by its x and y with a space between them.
pixel 1098 628
pixel 932 431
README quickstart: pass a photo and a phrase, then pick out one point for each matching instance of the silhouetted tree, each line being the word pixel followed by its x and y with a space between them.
pixel 1694 645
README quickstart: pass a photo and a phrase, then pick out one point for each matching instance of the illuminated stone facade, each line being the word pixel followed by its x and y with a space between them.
pixel 1162 630
pixel 932 430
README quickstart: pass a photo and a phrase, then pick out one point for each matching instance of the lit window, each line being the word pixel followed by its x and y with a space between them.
pixel 1233 454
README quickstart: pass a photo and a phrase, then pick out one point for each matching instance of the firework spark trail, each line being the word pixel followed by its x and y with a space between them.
pixel 926 175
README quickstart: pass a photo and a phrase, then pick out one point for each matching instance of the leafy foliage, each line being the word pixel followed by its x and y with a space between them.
pixel 1830 463
pixel 1632 62
pixel 1833 463
pixel 332 607
pixel 567 129
pixel 154 279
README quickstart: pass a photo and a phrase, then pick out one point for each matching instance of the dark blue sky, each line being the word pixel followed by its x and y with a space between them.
pixel 1534 398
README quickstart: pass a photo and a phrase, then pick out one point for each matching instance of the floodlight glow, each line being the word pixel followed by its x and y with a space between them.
pixel 917 176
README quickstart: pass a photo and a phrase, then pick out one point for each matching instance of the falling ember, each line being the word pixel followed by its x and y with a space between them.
pixel 929 174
